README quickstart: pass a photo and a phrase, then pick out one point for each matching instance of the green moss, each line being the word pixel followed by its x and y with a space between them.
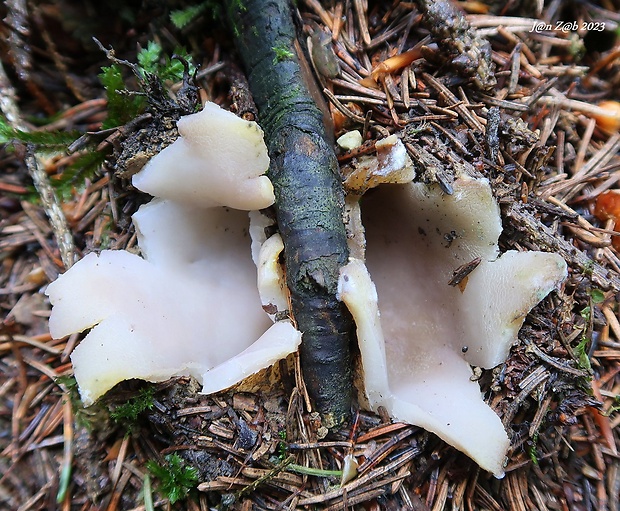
pixel 152 61
pixel 75 175
pixel 234 8
pixel 88 418
pixel 45 140
pixel 127 413
pixel 282 53
pixel 176 480
pixel 239 5
pixel 122 106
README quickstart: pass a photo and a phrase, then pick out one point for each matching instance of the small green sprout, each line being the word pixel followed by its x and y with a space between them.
pixel 281 450
pixel 588 268
pixel 597 295
pixel 176 479
pixel 581 352
pixel 532 451
pixel 577 48
pixel 586 313
pixel 150 61
pixel 613 408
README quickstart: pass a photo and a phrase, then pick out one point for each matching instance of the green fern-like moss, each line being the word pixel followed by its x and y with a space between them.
pixel 128 413
pixel 176 479
pixel 122 106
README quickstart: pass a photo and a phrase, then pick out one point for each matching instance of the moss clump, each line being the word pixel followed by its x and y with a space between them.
pixel 176 480
pixel 128 412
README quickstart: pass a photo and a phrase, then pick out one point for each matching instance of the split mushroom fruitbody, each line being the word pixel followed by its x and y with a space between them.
pixel 197 305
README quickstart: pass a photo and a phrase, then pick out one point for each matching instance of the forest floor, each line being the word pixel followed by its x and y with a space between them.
pixel 551 159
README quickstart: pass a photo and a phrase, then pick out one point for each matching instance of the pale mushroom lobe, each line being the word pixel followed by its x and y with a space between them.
pixel 218 160
pixel 412 350
pixel 191 306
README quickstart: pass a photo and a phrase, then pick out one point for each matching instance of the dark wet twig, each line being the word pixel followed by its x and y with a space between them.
pixel 309 197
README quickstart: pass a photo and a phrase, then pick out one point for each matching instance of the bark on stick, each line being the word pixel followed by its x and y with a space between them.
pixel 309 196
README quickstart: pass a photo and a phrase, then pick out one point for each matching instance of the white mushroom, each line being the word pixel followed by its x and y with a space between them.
pixel 416 352
pixel 219 160
pixel 191 306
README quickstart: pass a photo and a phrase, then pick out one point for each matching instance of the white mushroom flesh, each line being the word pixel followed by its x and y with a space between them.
pixel 192 305
pixel 390 164
pixel 416 237
pixel 218 160
pixel 190 308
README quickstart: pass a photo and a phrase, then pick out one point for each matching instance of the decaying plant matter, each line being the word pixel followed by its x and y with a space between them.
pixel 467 52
